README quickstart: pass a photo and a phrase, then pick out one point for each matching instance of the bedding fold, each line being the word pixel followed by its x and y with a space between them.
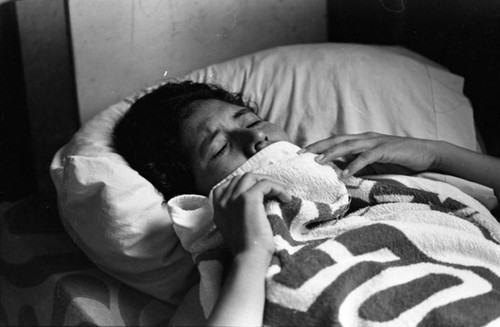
pixel 388 251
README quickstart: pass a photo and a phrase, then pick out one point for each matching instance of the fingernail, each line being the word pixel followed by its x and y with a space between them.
pixel 345 172
pixel 319 158
pixel 301 151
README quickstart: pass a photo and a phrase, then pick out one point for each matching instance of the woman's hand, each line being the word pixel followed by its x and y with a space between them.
pixel 368 148
pixel 240 215
pixel 241 218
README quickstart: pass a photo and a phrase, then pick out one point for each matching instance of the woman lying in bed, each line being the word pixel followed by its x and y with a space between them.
pixel 186 138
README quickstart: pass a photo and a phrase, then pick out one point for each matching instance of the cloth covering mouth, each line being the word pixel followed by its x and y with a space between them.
pixel 305 179
pixel 270 155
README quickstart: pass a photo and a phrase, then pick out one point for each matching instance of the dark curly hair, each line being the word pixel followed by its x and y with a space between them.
pixel 148 136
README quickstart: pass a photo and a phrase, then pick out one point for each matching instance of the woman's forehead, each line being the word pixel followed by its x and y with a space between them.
pixel 204 118
pixel 208 114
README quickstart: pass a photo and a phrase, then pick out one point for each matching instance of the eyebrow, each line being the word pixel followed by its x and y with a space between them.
pixel 209 139
pixel 242 112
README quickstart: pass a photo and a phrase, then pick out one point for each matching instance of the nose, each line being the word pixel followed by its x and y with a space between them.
pixel 254 141
pixel 259 145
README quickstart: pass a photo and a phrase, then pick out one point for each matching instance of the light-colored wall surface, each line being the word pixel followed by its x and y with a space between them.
pixel 121 46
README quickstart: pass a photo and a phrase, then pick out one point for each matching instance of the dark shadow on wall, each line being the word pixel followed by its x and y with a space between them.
pixel 17 171
pixel 462 35
pixel 41 111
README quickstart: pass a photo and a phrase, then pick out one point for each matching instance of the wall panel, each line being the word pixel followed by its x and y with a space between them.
pixel 123 45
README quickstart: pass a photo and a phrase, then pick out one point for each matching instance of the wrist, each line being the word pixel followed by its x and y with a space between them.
pixel 255 258
pixel 438 151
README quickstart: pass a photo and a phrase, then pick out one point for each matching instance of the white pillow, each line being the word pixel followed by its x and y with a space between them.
pixel 116 216
pixel 318 90
pixel 313 91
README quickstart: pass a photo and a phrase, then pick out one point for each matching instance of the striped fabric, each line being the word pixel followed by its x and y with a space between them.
pixel 400 256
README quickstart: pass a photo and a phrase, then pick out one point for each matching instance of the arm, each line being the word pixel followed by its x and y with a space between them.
pixel 189 312
pixel 240 217
pixel 241 302
pixel 415 154
pixel 468 164
pixel 242 294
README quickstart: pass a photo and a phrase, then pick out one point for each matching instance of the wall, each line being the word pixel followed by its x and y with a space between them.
pixel 38 100
pixel 462 35
pixel 123 45
pixel 49 80
pixel 17 173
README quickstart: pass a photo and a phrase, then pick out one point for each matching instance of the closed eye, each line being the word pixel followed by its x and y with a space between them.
pixel 254 123
pixel 220 152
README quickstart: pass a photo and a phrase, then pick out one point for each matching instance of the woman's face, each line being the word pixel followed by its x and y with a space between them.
pixel 219 137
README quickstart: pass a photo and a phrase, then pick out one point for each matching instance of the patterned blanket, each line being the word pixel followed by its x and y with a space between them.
pixel 398 255
pixel 46 280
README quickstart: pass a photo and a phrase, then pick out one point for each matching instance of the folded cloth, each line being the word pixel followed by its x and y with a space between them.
pixel 403 252
pixel 305 178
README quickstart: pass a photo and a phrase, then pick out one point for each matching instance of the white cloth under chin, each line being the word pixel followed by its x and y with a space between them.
pixel 305 178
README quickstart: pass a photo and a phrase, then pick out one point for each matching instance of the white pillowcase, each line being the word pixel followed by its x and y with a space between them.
pixel 313 91
pixel 116 216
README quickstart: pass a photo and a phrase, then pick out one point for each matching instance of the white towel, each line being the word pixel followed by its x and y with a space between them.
pixel 305 178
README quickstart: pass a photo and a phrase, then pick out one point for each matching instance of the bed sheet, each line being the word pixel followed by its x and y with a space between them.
pixel 111 211
pixel 46 280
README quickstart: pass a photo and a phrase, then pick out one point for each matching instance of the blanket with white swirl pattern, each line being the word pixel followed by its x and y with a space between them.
pixel 399 254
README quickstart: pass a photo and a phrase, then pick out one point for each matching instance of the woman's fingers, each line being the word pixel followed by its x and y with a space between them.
pixel 266 186
pixel 347 148
pixel 233 187
pixel 239 211
pixel 238 185
pixel 220 190
pixel 323 145
pixel 270 189
pixel 341 146
pixel 363 150
pixel 230 188
pixel 363 160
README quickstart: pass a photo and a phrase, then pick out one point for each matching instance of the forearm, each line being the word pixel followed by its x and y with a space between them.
pixel 469 165
pixel 241 302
